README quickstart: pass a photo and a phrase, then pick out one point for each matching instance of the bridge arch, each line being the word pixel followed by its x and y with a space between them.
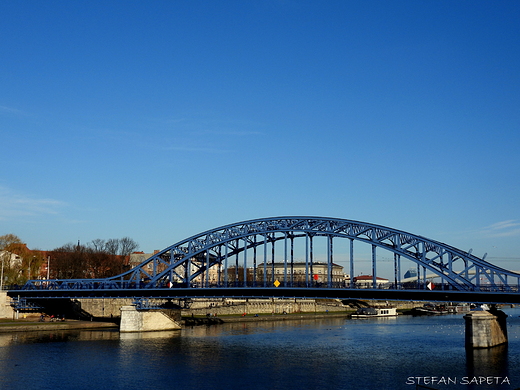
pixel 230 253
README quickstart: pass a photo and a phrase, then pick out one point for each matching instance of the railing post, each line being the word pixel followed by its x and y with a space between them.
pixel 351 263
pixel 254 261
pixel 307 275
pixel 311 258
pixel 397 270
pixel 226 251
pixel 272 260
pixel 292 260
pixel 285 261
pixel 330 258
pixel 245 261
pixel 265 260
pixel 374 267
pixel 207 268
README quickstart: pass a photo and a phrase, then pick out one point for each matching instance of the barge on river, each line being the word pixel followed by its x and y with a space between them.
pixel 373 312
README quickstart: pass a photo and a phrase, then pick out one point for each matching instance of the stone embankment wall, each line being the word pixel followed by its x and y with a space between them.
pixel 110 307
pixel 272 306
pixel 105 307
pixel 6 311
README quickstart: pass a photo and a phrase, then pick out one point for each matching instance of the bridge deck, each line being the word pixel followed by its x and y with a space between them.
pixel 281 292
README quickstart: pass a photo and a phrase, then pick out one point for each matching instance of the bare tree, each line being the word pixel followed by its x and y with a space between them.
pixel 98 244
pixel 98 259
pixel 112 246
pixel 69 262
pixel 127 246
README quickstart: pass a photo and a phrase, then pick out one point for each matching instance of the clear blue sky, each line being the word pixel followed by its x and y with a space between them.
pixel 158 120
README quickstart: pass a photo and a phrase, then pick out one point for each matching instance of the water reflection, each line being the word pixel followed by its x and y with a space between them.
pixel 486 362
pixel 150 335
pixel 332 353
pixel 7 339
pixel 247 328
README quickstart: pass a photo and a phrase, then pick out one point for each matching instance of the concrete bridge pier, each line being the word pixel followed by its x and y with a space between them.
pixel 486 329
pixel 133 320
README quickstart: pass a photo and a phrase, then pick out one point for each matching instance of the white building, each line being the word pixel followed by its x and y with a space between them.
pixel 367 281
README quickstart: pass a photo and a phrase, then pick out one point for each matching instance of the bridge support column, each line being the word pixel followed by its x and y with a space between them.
pixel 133 320
pixel 485 329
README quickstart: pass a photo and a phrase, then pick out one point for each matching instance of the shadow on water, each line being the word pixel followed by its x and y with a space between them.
pixel 489 363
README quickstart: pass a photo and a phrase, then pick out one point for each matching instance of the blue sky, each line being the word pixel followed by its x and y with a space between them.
pixel 158 120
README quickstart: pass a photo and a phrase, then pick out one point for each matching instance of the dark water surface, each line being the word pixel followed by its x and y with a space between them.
pixel 392 353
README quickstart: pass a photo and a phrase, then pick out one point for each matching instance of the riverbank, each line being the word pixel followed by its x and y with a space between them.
pixel 211 312
pixel 213 320
pixel 189 319
pixel 30 325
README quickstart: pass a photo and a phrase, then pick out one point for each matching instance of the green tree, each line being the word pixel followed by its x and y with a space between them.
pixel 6 256
pixel 19 263
pixel 7 240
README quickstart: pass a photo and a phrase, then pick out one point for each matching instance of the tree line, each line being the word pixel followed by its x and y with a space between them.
pixel 97 259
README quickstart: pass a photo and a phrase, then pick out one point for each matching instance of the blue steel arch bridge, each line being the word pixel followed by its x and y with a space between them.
pixel 277 257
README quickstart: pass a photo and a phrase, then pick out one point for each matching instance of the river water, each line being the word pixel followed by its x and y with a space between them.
pixel 331 353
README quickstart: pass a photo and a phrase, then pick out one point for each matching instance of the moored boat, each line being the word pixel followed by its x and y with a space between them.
pixel 429 309
pixel 372 312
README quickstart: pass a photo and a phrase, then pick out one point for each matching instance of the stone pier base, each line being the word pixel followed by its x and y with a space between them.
pixel 485 330
pixel 133 320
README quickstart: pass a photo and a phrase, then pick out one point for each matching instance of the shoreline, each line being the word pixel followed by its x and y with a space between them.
pixel 35 326
pixel 197 321
pixel 32 325
pixel 29 325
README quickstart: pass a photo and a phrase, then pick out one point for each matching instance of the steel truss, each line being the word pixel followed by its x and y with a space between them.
pixel 242 249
